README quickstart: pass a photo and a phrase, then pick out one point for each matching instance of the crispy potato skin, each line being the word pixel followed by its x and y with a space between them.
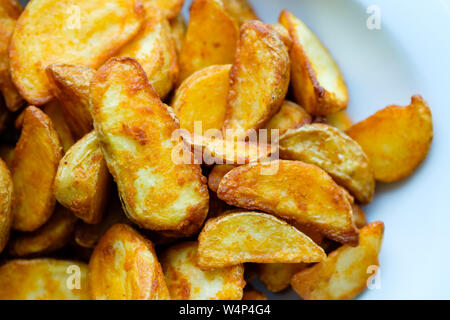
pixel 240 236
pixel 124 266
pixel 344 274
pixel 359 216
pixel 36 158
pixel 186 281
pixel 56 115
pixel 216 175
pixel 37 43
pixel 252 294
pixel 10 10
pixel 169 8
pixel 134 130
pixel 6 203
pixel 317 82
pixel 290 116
pixel 53 235
pixel 259 78
pixel 299 192
pixel 284 35
pixel 154 49
pixel 340 120
pixel 277 276
pixel 203 97
pixel 211 38
pixel 82 181
pixel 333 151
pixel 41 279
pixel 240 11
pixel 70 85
pixel 396 139
pixel 178 30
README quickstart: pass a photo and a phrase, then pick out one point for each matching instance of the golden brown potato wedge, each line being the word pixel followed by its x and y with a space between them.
pixel 36 159
pixel 53 235
pixel 43 279
pixel 396 139
pixel 317 82
pixel 240 11
pixel 211 38
pixel 251 293
pixel 290 116
pixel 70 85
pixel 169 8
pixel 299 192
pixel 259 79
pixel 216 175
pixel 10 10
pixel 241 236
pixel 7 154
pixel 178 29
pixel 186 281
pixel 54 111
pixel 124 266
pixel 203 97
pixel 284 34
pixel 333 151
pixel 6 203
pixel 340 120
pixel 359 216
pixel 154 49
pixel 277 276
pixel 134 130
pixel 86 33
pixel 345 272
pixel 82 181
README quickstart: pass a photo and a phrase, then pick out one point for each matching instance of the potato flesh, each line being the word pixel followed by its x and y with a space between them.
pixel 396 139
pixel 299 192
pixel 87 34
pixel 186 281
pixel 134 129
pixel 6 203
pixel 124 266
pixel 241 237
pixel 43 279
pixel 345 272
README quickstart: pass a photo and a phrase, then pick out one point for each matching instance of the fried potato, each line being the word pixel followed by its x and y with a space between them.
pixel 10 10
pixel 70 85
pixel 259 79
pixel 7 154
pixel 56 115
pixel 86 33
pixel 317 82
pixel 277 276
pixel 340 120
pixel 53 235
pixel 216 175
pixel 203 98
pixel 211 38
pixel 186 281
pixel 345 272
pixel 134 129
pixel 290 116
pixel 6 203
pixel 251 293
pixel 299 192
pixel 82 181
pixel 359 216
pixel 43 279
pixel 242 236
pixel 396 139
pixel 124 266
pixel 240 11
pixel 178 30
pixel 284 34
pixel 333 151
pixel 36 159
pixel 154 49
pixel 169 8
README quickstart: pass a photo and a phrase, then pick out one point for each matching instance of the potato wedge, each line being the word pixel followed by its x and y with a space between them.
pixel 340 120
pixel 216 175
pixel 211 38
pixel 359 216
pixel 203 97
pixel 333 151
pixel 396 139
pixel 10 10
pixel 178 30
pixel 290 116
pixel 259 79
pixel 154 49
pixel 240 11
pixel 70 85
pixel 345 272
pixel 124 266
pixel 317 82
pixel 53 235
pixel 82 181
pixel 277 276
pixel 43 279
pixel 251 293
pixel 6 203
pixel 36 159
pixel 186 281
pixel 284 34
pixel 54 111
pixel 169 8
pixel 134 130
pixel 299 192
pixel 241 236
pixel 86 33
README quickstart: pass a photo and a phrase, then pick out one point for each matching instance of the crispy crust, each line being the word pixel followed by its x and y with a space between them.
pixel 6 203
pixel 216 175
